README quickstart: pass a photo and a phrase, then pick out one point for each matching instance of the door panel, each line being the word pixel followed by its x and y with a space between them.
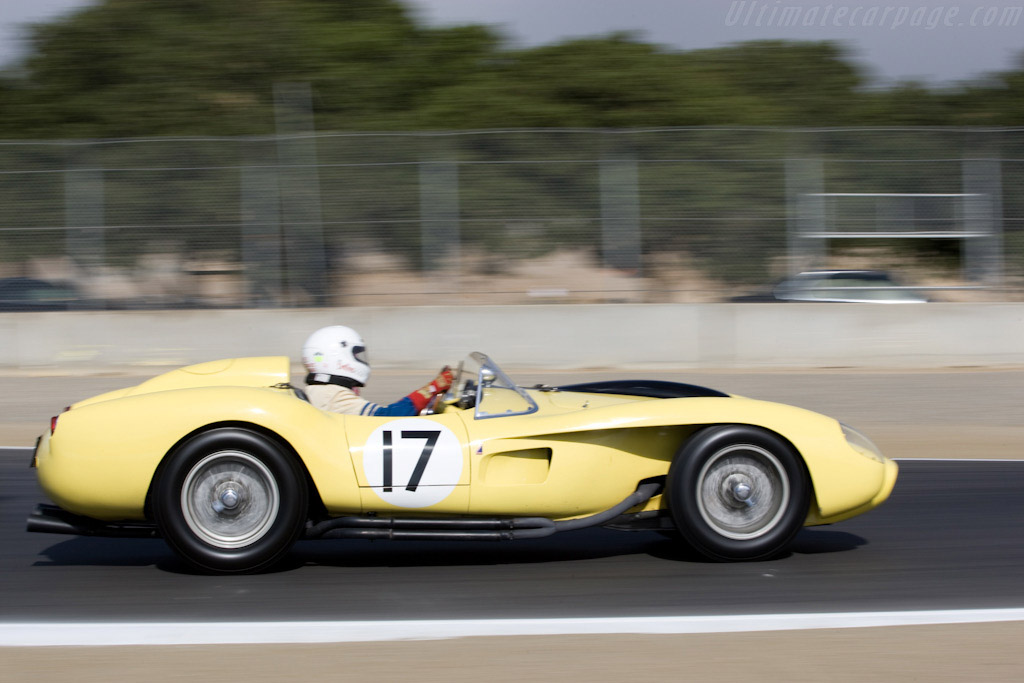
pixel 410 463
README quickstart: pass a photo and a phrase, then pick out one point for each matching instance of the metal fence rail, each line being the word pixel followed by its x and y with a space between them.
pixel 694 214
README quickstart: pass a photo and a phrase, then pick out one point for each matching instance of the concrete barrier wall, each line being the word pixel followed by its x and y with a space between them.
pixel 542 336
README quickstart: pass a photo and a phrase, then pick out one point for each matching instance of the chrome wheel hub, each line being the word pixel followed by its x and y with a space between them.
pixel 226 501
pixel 230 499
pixel 742 492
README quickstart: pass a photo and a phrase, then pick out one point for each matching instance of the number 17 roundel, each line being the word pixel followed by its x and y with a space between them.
pixel 413 463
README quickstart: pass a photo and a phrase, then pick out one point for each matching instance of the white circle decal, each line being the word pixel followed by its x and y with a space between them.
pixel 412 463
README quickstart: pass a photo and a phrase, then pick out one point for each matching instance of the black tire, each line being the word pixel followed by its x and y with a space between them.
pixel 229 500
pixel 738 492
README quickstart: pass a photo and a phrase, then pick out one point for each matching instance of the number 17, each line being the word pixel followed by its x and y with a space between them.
pixel 431 438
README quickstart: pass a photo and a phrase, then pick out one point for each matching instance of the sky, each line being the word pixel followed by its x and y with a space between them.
pixel 921 40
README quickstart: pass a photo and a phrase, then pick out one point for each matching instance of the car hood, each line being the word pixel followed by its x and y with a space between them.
pixel 644 387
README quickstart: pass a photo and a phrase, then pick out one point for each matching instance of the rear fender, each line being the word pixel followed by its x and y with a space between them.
pixel 103 457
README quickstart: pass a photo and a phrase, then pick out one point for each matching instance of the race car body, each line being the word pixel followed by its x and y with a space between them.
pixel 229 463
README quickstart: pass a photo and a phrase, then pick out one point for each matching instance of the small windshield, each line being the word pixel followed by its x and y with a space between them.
pixel 482 384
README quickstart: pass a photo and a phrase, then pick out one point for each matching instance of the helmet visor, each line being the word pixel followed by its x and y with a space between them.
pixel 359 353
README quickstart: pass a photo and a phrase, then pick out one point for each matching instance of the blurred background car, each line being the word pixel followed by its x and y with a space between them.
pixel 839 286
pixel 30 294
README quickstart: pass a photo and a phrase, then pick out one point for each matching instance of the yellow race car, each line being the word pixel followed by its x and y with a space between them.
pixel 228 463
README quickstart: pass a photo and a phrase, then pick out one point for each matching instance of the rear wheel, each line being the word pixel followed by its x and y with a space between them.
pixel 230 500
pixel 738 492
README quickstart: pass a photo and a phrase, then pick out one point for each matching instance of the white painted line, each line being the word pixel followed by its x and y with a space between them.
pixel 958 459
pixel 293 632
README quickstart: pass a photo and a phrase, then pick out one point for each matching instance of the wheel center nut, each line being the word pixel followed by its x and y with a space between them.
pixel 229 499
pixel 737 492
pixel 226 500
pixel 742 492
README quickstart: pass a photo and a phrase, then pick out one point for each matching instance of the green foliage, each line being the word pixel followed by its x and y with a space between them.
pixel 125 68
pixel 804 84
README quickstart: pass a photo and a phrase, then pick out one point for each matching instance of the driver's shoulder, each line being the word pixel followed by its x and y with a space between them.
pixel 335 399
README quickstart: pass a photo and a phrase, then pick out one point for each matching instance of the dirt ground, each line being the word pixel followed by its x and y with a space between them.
pixel 975 652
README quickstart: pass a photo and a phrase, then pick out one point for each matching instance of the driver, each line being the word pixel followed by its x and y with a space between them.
pixel 335 358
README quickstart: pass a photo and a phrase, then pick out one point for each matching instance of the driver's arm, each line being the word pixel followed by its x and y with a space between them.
pixel 414 403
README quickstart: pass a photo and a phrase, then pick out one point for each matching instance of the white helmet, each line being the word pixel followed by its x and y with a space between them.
pixel 336 351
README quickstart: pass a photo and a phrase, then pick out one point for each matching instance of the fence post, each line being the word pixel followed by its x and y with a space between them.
pixel 261 226
pixel 621 238
pixel 439 209
pixel 84 213
pixel 805 212
pixel 982 183
pixel 299 183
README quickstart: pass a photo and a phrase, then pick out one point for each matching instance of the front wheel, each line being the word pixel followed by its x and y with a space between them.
pixel 230 500
pixel 738 492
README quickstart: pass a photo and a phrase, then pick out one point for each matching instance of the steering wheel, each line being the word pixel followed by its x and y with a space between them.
pixel 467 395
pixel 438 401
pixel 431 407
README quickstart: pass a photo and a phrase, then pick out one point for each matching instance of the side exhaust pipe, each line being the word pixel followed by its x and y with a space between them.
pixel 50 519
pixel 491 529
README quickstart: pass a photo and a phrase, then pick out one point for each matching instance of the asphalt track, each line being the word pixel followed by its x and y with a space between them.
pixel 951 537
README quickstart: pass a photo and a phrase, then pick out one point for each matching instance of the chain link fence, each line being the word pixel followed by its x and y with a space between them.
pixel 511 217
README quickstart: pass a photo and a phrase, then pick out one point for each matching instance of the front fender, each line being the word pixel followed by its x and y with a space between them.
pixel 843 478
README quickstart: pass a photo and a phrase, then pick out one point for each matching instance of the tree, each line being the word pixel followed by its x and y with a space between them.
pixel 122 68
pixel 173 67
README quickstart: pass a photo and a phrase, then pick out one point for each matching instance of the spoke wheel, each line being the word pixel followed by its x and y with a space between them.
pixel 230 500
pixel 738 493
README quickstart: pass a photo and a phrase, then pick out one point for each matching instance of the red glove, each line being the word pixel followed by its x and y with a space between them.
pixel 421 397
pixel 443 381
